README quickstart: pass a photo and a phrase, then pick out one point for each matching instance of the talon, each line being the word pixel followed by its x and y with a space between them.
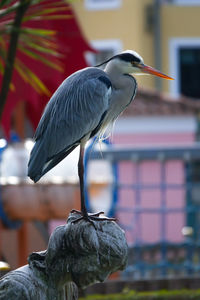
pixel 97 214
pixel 73 211
pixel 91 217
pixel 103 219
pixel 84 217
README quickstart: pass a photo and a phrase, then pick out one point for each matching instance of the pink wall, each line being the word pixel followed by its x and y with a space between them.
pixel 153 138
pixel 147 226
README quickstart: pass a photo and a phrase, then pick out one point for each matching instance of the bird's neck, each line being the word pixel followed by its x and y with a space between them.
pixel 113 69
pixel 114 75
pixel 118 78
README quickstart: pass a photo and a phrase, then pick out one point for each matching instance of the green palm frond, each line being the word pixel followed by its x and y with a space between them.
pixel 47 14
pixel 3 48
pixel 36 43
pixel 41 58
pixel 9 7
pixel 38 32
pixel 1 67
pixel 31 78
pixel 5 2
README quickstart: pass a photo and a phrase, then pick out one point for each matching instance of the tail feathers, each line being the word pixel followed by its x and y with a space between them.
pixel 39 164
pixel 56 159
pixel 37 161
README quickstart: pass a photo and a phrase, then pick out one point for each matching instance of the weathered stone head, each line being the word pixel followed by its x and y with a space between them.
pixel 83 252
pixel 80 253
pixel 98 250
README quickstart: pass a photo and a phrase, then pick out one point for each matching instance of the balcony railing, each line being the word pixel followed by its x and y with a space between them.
pixel 158 206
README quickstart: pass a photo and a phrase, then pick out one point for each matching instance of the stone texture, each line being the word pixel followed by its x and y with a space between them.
pixel 78 254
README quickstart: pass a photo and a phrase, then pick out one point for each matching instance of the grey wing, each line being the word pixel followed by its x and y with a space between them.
pixel 74 111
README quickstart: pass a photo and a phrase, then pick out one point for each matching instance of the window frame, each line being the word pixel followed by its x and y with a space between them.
pixel 174 45
pixel 115 44
pixel 102 4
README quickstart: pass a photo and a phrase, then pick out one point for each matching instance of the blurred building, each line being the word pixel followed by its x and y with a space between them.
pixel 164 32
pixel 167 36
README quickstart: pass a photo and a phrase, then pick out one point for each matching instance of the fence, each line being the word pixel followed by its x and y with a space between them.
pixel 158 192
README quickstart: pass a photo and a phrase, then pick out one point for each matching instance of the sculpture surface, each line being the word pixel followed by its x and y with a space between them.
pixel 78 254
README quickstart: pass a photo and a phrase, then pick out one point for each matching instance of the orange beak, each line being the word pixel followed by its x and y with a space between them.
pixel 150 70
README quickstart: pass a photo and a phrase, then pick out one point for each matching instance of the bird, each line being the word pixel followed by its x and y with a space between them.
pixel 85 105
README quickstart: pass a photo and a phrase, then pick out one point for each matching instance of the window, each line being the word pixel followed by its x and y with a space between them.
pixel 105 49
pixel 102 4
pixel 189 64
pixel 185 67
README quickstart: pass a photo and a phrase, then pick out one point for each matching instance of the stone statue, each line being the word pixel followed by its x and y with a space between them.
pixel 78 255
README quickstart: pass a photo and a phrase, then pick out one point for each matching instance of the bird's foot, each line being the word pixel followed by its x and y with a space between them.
pixel 81 213
pixel 91 217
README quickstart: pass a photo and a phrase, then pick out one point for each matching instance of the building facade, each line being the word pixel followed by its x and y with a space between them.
pixel 165 33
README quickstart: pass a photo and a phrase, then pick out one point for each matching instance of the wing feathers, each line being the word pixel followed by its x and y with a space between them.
pixel 75 110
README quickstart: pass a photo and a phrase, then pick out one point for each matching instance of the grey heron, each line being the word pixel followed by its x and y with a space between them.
pixel 83 106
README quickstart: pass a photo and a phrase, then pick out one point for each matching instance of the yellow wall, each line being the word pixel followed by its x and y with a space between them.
pixel 128 25
pixel 125 24
pixel 178 21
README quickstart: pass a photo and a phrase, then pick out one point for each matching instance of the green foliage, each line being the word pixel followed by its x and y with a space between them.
pixel 37 43
pixel 156 295
pixel 5 2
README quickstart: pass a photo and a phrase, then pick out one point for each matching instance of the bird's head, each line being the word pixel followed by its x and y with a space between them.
pixel 130 62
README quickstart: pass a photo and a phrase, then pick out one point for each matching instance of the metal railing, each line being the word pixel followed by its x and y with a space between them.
pixel 164 238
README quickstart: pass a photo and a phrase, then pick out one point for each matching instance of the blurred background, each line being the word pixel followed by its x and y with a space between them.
pixel 147 174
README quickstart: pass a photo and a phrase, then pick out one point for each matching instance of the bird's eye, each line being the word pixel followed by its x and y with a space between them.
pixel 134 63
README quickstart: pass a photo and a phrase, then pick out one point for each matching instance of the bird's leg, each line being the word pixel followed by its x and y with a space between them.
pixel 81 179
pixel 83 212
